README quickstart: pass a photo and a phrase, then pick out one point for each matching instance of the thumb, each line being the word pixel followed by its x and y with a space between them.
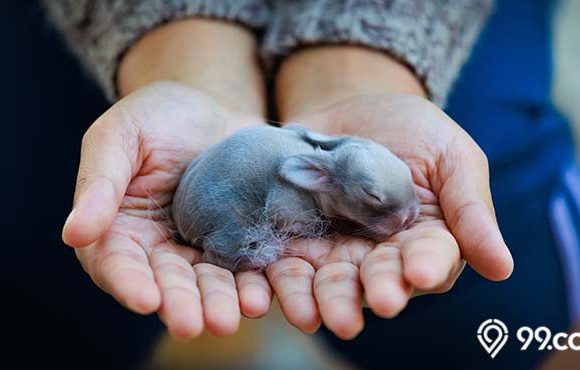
pixel 466 202
pixel 108 154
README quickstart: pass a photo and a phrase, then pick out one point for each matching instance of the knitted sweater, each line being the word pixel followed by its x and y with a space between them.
pixel 433 37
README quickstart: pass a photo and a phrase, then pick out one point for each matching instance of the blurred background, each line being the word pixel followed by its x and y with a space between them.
pixel 566 91
pixel 39 99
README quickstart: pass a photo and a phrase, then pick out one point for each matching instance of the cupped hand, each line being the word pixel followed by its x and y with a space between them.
pixel 329 279
pixel 131 160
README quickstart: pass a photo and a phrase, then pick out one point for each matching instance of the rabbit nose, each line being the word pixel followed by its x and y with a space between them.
pixel 410 216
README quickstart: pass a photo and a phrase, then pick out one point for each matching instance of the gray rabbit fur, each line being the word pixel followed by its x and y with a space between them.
pixel 246 196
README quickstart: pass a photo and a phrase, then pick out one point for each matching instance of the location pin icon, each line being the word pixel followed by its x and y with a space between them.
pixel 492 343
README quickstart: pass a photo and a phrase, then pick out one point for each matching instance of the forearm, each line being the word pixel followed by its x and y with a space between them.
pixel 218 58
pixel 313 78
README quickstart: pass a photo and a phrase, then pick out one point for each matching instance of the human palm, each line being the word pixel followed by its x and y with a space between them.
pixel 133 156
pixel 132 159
pixel 456 221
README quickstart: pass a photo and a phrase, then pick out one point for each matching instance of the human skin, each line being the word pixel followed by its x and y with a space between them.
pixel 133 155
pixel 131 161
pixel 358 91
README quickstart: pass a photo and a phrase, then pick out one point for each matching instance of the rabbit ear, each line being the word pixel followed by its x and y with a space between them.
pixel 325 142
pixel 309 172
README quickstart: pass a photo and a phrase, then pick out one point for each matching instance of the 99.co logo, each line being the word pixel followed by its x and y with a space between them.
pixel 493 335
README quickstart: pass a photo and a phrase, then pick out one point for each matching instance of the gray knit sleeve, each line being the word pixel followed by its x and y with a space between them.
pixel 100 31
pixel 433 37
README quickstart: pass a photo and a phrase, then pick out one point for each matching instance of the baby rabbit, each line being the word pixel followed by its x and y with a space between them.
pixel 246 196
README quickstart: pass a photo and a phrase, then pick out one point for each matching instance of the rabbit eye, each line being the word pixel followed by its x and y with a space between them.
pixel 373 195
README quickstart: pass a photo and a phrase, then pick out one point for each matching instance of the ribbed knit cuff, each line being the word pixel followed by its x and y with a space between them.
pixel 433 37
pixel 100 31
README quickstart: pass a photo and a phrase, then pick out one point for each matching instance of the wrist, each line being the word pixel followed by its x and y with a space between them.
pixel 214 57
pixel 317 77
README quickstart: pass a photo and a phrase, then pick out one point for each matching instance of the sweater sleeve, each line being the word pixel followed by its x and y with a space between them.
pixel 100 31
pixel 433 37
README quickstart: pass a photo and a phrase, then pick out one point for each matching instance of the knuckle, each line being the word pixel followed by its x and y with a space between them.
pixel 297 295
pixel 207 271
pixel 445 287
pixel 336 274
pixel 290 272
pixel 219 295
pixel 87 137
pixel 385 254
pixel 255 284
pixel 181 290
pixel 94 131
pixel 381 256
pixel 169 267
pixel 291 269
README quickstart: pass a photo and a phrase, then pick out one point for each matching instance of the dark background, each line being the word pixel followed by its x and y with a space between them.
pixel 53 316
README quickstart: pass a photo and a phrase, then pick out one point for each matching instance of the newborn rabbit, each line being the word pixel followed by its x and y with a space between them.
pixel 247 195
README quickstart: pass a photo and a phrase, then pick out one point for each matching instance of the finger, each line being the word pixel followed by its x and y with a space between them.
pixel 255 293
pixel 466 203
pixel 181 308
pixel 429 257
pixel 221 308
pixel 381 273
pixel 338 294
pixel 446 285
pixel 120 267
pixel 291 278
pixel 108 155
